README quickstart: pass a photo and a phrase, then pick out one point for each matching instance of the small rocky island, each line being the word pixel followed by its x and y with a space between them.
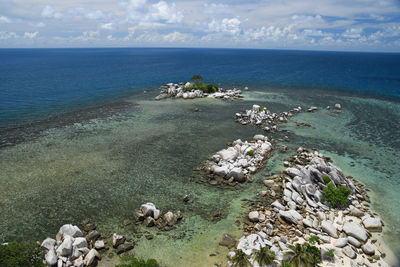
pixel 197 89
pixel 236 163
pixel 297 218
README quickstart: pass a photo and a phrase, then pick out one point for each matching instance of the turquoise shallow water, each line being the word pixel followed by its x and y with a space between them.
pixel 104 168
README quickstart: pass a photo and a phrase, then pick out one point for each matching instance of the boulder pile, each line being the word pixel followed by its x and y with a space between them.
pixel 297 213
pixel 263 118
pixel 181 90
pixel 150 216
pixel 236 163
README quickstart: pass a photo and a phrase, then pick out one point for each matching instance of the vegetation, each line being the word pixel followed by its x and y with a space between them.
pixel 264 256
pixel 305 255
pixel 263 108
pixel 336 197
pixel 327 180
pixel 313 240
pixel 250 153
pixel 198 84
pixel 240 259
pixel 135 262
pixel 21 254
pixel 197 79
pixel 330 254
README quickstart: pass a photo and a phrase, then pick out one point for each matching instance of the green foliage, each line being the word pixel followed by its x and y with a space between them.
pixel 285 264
pixel 264 256
pixel 263 108
pixel 327 180
pixel 336 196
pixel 197 79
pixel 330 253
pixel 240 259
pixel 313 240
pixel 135 262
pixel 21 254
pixel 250 153
pixel 205 87
pixel 305 255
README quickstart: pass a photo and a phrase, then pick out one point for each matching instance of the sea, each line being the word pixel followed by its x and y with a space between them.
pixel 81 136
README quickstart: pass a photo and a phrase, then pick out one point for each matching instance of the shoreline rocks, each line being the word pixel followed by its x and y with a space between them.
pixel 150 216
pixel 181 90
pixel 236 163
pixel 296 212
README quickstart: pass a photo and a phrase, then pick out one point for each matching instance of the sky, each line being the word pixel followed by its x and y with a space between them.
pixel 349 25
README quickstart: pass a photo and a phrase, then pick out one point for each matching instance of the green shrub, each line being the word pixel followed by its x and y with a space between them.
pixel 21 254
pixel 327 180
pixel 305 255
pixel 135 262
pixel 263 108
pixel 205 87
pixel 314 240
pixel 264 256
pixel 250 153
pixel 336 197
pixel 240 259
pixel 330 253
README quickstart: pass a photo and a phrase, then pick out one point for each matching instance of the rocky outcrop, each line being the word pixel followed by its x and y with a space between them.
pixel 263 118
pixel 182 90
pixel 150 216
pixel 236 163
pixel 295 212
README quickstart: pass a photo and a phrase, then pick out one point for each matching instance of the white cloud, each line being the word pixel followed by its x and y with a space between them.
pixel 158 14
pixel 216 8
pixel 131 32
pixel 49 12
pixel 231 26
pixel 7 35
pixel 4 19
pixel 30 35
pixel 177 37
pixel 87 13
pixel 308 20
pixel 107 26
pixel 352 33
pixel 110 38
pixel 37 24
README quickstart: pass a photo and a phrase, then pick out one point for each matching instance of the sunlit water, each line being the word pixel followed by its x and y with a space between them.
pixel 105 168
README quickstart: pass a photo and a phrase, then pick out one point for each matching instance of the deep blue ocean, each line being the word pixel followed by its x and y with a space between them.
pixel 37 83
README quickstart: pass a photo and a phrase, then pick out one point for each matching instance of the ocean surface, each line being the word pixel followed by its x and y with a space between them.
pixel 81 136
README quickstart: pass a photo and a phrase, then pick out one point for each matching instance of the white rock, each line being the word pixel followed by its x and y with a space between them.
pixel 117 240
pixel 368 249
pixel 80 242
pixel 65 249
pixel 48 243
pixel 259 137
pixel 99 244
pixel 291 216
pixel 338 106
pixel 51 257
pixel 254 216
pixel 292 172
pixel 79 262
pixel 349 252
pixel 249 243
pixel 228 154
pixel 220 170
pixel 329 228
pixel 277 205
pixel 353 241
pixel 90 257
pixel 355 230
pixel 68 229
pixel 148 209
pixel 373 224
pixel 341 242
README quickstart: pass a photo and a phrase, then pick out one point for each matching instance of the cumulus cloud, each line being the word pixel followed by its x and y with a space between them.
pixel 230 26
pixel 352 33
pixel 50 13
pixel 177 37
pixel 87 13
pixel 160 13
pixel 4 19
pixel 7 35
pixel 107 26
pixel 30 35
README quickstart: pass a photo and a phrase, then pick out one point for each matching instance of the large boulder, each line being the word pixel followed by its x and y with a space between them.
pixel 117 240
pixel 368 249
pixel 68 229
pixel 356 231
pixel 80 242
pixel 228 154
pixel 170 218
pixel 291 216
pixel 292 172
pixel 254 216
pixel 148 209
pixel 373 224
pixel 329 228
pixel 51 257
pixel 349 252
pixel 65 249
pixel 220 170
pixel 341 242
pixel 91 256
pixel 249 243
pixel 237 173
pixel 48 243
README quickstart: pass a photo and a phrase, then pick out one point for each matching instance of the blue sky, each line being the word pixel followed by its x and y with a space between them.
pixel 361 25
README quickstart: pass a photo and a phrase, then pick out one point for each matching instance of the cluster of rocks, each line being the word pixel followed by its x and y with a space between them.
pixel 236 163
pixel 181 90
pixel 297 213
pixel 150 216
pixel 77 248
pixel 264 118
pixel 337 108
pixel 71 248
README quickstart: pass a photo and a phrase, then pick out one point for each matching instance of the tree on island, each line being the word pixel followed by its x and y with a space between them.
pixel 197 79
